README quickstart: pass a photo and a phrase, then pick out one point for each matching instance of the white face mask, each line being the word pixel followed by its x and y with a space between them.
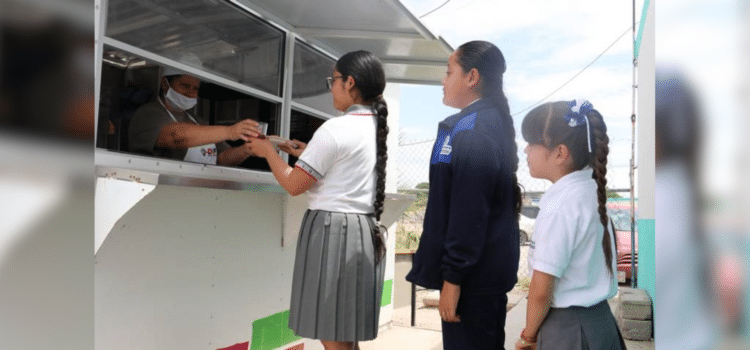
pixel 179 100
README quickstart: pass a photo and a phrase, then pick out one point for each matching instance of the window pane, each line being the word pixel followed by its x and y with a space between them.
pixel 227 41
pixel 309 86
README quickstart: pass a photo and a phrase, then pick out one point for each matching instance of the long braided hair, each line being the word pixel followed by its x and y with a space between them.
pixel 545 125
pixel 490 62
pixel 369 78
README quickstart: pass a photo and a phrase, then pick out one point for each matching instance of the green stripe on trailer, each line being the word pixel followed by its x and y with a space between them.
pixel 272 332
pixel 387 293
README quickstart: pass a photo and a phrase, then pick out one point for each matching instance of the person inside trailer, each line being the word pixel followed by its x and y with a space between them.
pixel 165 127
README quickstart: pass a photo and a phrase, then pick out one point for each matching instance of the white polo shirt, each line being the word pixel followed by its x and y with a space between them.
pixel 568 243
pixel 341 156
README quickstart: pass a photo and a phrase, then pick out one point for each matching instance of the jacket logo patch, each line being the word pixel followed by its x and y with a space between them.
pixel 446 150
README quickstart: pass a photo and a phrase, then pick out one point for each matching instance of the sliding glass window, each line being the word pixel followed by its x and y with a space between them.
pixel 227 41
pixel 310 71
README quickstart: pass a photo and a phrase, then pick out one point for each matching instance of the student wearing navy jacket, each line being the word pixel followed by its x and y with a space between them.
pixel 469 247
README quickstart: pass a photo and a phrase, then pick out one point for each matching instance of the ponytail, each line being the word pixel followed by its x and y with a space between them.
pixel 369 78
pixel 494 88
pixel 381 134
pixel 488 60
pixel 598 162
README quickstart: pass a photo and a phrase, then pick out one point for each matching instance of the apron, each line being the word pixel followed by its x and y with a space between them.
pixel 204 154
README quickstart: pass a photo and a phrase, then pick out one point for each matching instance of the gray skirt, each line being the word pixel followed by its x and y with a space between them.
pixel 336 286
pixel 580 328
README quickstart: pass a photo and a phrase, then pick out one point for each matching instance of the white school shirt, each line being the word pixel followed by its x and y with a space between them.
pixel 568 243
pixel 341 156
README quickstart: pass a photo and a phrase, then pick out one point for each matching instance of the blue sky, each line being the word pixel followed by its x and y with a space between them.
pixel 545 43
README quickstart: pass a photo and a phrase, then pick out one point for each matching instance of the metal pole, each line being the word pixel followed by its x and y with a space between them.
pixel 633 256
pixel 413 298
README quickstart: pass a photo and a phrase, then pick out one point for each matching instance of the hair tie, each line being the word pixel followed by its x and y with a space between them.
pixel 578 114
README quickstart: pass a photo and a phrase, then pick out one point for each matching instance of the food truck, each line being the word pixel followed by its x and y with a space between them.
pixel 198 256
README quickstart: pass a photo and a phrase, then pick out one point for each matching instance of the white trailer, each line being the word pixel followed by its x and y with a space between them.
pixel 192 256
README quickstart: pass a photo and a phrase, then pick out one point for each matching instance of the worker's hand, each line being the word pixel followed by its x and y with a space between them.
pixel 449 301
pixel 243 130
pixel 247 150
pixel 261 147
pixel 293 147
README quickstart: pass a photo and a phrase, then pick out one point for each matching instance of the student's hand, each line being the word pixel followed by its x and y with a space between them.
pixel 293 147
pixel 260 147
pixel 449 301
pixel 244 130
pixel 522 345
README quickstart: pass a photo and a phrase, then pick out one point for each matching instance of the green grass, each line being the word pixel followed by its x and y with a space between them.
pixel 409 228
pixel 406 239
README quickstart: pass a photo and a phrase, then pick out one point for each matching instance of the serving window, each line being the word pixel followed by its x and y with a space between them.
pixel 241 61
pixel 129 82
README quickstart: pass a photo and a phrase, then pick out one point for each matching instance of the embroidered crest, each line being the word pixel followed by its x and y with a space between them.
pixel 446 150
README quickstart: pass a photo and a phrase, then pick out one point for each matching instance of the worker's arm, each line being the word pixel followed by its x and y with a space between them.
pixel 187 135
pixel 234 155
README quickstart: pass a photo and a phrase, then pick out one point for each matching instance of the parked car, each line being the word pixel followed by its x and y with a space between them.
pixel 530 211
pixel 525 228
pixel 619 213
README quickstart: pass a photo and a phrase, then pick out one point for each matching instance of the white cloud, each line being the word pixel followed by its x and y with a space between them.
pixel 593 23
pixel 608 89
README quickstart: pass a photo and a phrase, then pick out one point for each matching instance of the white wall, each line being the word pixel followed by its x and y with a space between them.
pixel 191 268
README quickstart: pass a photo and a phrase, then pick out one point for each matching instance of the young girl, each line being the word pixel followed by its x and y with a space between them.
pixel 469 246
pixel 572 253
pixel 339 267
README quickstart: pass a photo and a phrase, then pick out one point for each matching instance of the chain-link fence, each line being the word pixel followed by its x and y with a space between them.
pixel 413 176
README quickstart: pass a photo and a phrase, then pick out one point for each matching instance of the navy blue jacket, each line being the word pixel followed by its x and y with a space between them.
pixel 470 234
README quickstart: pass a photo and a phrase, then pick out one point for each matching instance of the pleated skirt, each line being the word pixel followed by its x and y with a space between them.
pixel 580 328
pixel 336 286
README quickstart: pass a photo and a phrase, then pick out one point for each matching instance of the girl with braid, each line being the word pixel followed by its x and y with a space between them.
pixel 572 253
pixel 339 266
pixel 469 247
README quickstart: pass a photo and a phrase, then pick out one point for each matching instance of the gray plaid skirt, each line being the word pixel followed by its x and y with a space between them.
pixel 580 328
pixel 336 286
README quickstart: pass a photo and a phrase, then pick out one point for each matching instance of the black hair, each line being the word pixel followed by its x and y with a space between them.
pixel 489 61
pixel 545 125
pixel 677 119
pixel 369 82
